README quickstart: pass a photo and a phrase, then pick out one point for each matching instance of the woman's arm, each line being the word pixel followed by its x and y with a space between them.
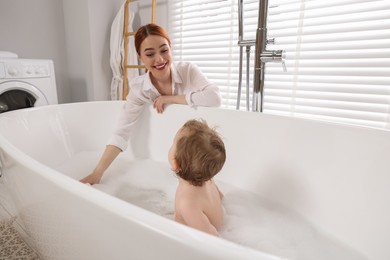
pixel 200 91
pixel 119 139
pixel 206 97
pixel 109 155
pixel 160 101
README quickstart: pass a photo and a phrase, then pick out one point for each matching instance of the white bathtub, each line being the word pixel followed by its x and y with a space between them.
pixel 312 181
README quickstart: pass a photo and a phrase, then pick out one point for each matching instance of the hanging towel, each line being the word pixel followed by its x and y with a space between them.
pixel 117 53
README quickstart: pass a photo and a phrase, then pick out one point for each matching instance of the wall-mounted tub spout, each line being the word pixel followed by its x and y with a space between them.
pixel 263 56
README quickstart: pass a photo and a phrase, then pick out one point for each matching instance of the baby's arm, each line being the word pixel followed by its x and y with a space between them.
pixel 193 216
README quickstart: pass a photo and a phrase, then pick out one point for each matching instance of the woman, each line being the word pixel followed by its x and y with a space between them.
pixel 164 83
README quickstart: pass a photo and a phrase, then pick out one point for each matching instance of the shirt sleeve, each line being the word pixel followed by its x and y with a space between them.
pixel 131 111
pixel 202 91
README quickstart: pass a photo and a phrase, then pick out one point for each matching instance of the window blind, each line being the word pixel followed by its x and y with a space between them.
pixel 337 55
pixel 206 32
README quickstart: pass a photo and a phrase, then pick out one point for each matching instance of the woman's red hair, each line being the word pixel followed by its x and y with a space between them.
pixel 145 31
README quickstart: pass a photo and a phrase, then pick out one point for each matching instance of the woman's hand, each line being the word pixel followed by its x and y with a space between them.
pixel 92 179
pixel 160 102
pixel 109 155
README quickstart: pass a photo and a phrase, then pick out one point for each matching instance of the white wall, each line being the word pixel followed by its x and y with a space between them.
pixel 75 34
pixel 35 29
pixel 87 31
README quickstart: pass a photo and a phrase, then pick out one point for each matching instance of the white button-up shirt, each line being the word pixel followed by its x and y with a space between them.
pixel 187 80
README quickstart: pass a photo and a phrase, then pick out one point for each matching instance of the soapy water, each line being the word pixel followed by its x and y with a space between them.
pixel 249 220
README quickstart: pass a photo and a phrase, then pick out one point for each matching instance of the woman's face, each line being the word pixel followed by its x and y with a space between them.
pixel 155 53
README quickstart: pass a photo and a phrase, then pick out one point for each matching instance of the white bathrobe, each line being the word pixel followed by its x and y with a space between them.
pixel 117 53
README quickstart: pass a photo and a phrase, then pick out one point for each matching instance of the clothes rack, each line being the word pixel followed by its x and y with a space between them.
pixel 126 35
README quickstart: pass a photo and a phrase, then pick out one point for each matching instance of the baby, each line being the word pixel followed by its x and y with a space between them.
pixel 196 155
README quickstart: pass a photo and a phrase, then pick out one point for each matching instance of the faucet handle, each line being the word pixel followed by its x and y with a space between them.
pixel 284 66
pixel 271 41
pixel 283 60
pixel 274 56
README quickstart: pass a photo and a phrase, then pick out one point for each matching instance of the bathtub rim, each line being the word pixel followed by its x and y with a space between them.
pixel 120 104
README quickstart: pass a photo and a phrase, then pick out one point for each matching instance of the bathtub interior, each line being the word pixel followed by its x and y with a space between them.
pixel 335 176
pixel 64 217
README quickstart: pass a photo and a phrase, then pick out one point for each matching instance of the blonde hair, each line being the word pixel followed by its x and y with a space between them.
pixel 200 152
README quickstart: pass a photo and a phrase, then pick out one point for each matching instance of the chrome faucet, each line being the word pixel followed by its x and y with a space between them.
pixel 262 56
pixel 243 43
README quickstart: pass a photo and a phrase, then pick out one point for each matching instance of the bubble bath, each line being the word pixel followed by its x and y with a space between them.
pixel 249 220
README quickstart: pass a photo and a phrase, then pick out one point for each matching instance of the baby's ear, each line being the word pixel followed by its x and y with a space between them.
pixel 175 165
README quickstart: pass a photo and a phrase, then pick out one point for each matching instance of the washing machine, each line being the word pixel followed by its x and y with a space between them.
pixel 26 83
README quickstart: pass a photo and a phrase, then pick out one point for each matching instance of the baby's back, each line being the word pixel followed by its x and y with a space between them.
pixel 211 199
pixel 193 204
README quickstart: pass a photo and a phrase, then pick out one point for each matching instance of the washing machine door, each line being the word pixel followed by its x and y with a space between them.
pixel 17 94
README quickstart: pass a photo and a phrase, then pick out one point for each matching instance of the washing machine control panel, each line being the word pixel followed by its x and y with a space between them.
pixel 24 69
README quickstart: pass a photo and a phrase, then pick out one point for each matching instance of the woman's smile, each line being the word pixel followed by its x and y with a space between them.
pixel 160 66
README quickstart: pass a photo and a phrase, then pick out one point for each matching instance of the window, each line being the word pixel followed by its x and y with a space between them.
pixel 337 55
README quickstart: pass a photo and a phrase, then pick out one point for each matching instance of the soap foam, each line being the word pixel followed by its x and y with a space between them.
pixel 249 220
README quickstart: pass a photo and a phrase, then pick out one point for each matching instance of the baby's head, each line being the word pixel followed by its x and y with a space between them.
pixel 197 153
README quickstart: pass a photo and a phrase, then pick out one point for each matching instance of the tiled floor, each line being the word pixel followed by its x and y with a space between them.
pixel 5 202
pixel 12 244
pixel 13 239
